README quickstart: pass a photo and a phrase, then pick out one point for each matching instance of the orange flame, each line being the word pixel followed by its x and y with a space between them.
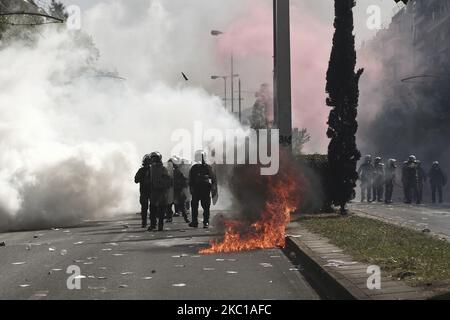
pixel 270 230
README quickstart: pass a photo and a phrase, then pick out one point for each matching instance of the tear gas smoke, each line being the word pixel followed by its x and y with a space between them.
pixel 70 142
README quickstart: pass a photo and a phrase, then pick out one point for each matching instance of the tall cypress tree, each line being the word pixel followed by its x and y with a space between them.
pixel 343 94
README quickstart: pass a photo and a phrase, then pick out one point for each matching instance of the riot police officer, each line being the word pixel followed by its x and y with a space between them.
pixel 410 179
pixel 143 177
pixel 378 180
pixel 160 185
pixel 438 179
pixel 390 176
pixel 365 173
pixel 203 186
pixel 180 185
pixel 422 179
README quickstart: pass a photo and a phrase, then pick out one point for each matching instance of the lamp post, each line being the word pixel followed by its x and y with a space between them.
pixel 225 87
pixel 232 74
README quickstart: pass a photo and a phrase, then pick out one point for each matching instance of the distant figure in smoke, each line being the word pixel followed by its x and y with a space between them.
pixel 203 186
pixel 365 173
pixel 410 179
pixel 170 193
pixel 180 186
pixel 160 185
pixel 378 180
pixel 143 177
pixel 185 168
pixel 438 180
pixel 422 179
pixel 390 176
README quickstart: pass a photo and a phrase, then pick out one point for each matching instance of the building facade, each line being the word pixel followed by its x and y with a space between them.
pixel 408 90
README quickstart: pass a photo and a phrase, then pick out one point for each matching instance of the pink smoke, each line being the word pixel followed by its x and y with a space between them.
pixel 250 37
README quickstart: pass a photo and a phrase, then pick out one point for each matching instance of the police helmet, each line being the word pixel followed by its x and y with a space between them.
pixel 393 163
pixel 175 160
pixel 200 156
pixel 146 160
pixel 156 157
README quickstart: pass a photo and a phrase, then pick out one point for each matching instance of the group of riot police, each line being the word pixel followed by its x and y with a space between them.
pixel 168 191
pixel 379 180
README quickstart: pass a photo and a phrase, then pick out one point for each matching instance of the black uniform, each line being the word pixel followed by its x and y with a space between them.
pixel 410 179
pixel 365 173
pixel 422 179
pixel 390 176
pixel 160 184
pixel 203 184
pixel 180 184
pixel 378 182
pixel 438 180
pixel 143 177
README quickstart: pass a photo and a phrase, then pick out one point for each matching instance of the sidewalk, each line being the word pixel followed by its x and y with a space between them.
pixel 336 275
pixel 433 219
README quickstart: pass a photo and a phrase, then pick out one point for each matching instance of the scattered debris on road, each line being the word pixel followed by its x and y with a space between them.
pixel 179 285
pixel 266 265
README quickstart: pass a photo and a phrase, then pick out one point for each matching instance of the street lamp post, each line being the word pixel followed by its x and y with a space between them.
pixel 225 87
pixel 240 102
pixel 232 83
pixel 232 74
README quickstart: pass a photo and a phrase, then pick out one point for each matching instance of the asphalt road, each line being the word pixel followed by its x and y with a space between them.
pixel 433 218
pixel 118 260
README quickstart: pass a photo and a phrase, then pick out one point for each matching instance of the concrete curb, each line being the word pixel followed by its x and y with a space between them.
pixel 330 285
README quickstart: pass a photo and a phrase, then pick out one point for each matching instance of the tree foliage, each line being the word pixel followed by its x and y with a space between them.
pixel 343 94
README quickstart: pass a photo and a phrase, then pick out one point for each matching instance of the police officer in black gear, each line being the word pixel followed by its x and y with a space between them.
pixel 438 179
pixel 143 178
pixel 422 177
pixel 180 185
pixel 410 179
pixel 160 185
pixel 365 173
pixel 378 180
pixel 203 185
pixel 390 176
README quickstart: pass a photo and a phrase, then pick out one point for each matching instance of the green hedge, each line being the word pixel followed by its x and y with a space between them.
pixel 317 197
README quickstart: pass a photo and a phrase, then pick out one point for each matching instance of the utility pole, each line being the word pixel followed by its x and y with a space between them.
pixel 232 83
pixel 240 102
pixel 282 72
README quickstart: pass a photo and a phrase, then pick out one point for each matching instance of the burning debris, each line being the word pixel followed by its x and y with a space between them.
pixel 280 197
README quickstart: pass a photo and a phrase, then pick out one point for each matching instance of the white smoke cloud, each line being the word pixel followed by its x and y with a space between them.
pixel 70 142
